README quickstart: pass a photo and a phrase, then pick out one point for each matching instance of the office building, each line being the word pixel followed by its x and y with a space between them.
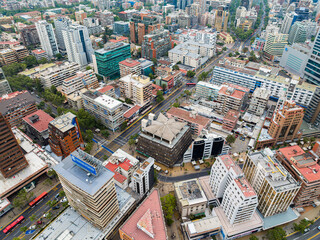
pixel 93 26
pixel 142 24
pixel 106 18
pixel 138 88
pixel 86 79
pixel 294 58
pixel 29 35
pixel 36 125
pixel 190 197
pixel 196 122
pixel 274 45
pixel 55 75
pixel 143 178
pixel 313 65
pixel 312 114
pixel 121 28
pixel 80 16
pixel 297 34
pixel 89 187
pixel 129 66
pixel 61 23
pixel 156 44
pixel 171 79
pixel 221 19
pixel 78 44
pixel 39 54
pixel 4 84
pixel 205 146
pixel 14 106
pixel 12 159
pixel 305 170
pixel 146 222
pixel 47 38
pixel 166 140
pixel 259 101
pixel 107 59
pixel 288 21
pixel 65 135
pixel 274 185
pixel 105 108
pixel 207 90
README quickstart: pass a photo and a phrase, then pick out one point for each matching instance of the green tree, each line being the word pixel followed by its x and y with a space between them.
pixel 245 49
pixel 190 74
pixel 253 238
pixel 224 49
pixel 51 203
pixel 230 139
pixel 88 135
pixel 23 229
pixel 154 60
pixel 131 142
pixel 21 82
pixel 176 104
pixel 30 61
pixel 276 233
pixel 105 133
pixel 89 146
pixel 33 217
pixel 23 197
pixel 303 224
pixel 124 125
pixel 128 100
pixel 88 68
pixel 175 67
pixel 48 182
pixel 168 203
pixel 41 105
pixel 160 97
pixel 59 56
pixel 43 61
pixel 39 86
pixel 230 55
pixel 48 110
pixel 60 110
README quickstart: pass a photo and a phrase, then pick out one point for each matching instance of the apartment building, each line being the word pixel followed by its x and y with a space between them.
pixel 29 35
pixel 57 74
pixel 14 106
pixel 221 19
pixel 65 135
pixel 47 38
pixel 129 66
pixel 259 101
pixel 80 16
pixel 39 54
pixel 312 114
pixel 136 87
pixel 121 28
pixel 230 98
pixel 89 187
pixel 207 90
pixel 105 17
pixel 86 79
pixel 196 122
pixel 12 159
pixel 13 55
pixel 4 86
pixel 169 80
pixel 274 185
pixel 61 23
pixel 230 120
pixel 105 108
pixel 274 45
pixel 143 178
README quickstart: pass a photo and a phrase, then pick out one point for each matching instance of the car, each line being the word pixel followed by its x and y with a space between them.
pixel 55 207
pixel 318 228
pixel 39 222
pixel 64 199
pixel 32 227
pixel 243 138
pixel 57 196
pixel 306 230
pixel 236 136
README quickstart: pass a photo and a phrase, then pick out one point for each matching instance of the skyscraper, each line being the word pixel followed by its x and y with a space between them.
pixel 47 38
pixel 298 33
pixel 312 114
pixel 78 44
pixel 312 69
pixel 12 159
pixel 274 45
pixel 221 20
pixel 61 23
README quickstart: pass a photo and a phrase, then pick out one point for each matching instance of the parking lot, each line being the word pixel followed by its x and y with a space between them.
pixel 239 145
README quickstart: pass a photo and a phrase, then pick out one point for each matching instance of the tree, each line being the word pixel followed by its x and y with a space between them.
pixel 41 105
pixel 39 86
pixel 128 100
pixel 168 205
pixel 303 224
pixel 23 197
pixel 245 49
pixel 230 139
pixel 88 68
pixel 276 233
pixel 43 61
pixel 88 135
pixel 131 142
pixel 23 229
pixel 30 61
pixel 59 56
pixel 154 60
pixel 151 76
pixel 51 203
pixel 253 238
pixel 33 217
pixel 190 74
pixel 230 54
pixel 224 49
pixel 48 110
pixel 175 67
pixel 160 97
pixel 124 125
pixel 48 182
pixel 176 104
pixel 60 110
pixel 105 133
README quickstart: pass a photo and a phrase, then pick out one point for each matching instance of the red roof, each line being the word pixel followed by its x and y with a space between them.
pixel 147 222
pixel 131 111
pixel 229 163
pixel 234 93
pixel 111 166
pixel 42 123
pixel 245 187
pixel 126 165
pixel 118 40
pixel 119 178
pixel 232 115
pixel 38 51
pixel 185 115
pixel 129 62
pixel 105 89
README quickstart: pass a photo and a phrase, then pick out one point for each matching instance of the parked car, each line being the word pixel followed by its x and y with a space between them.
pixel 57 196
pixel 39 222
pixel 64 199
pixel 55 207
pixel 318 228
pixel 306 230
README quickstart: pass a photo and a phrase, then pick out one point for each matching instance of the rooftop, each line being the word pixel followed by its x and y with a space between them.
pixel 232 92
pixel 105 89
pixel 147 221
pixel 229 163
pixel 232 115
pixel 81 178
pixel 37 69
pixel 129 62
pixel 131 111
pixel 111 46
pixel 278 219
pixel 303 162
pixel 189 192
pixel 64 122
pixel 245 187
pixel 15 100
pixel 108 101
pixel 203 226
pixel 39 120
pixel 189 116
pixel 38 51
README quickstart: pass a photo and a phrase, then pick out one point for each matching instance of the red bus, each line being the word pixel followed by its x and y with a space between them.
pixel 12 225
pixel 190 83
pixel 38 199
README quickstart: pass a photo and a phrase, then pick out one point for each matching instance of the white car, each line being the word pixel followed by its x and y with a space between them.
pixel 64 199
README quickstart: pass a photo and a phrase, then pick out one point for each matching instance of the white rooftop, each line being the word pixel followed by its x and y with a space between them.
pixel 203 225
pixel 108 101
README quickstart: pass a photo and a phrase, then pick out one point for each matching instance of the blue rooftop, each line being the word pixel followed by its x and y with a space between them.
pixel 278 219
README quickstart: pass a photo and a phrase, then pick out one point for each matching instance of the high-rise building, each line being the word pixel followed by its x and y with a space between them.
pixel 136 87
pixel 275 44
pixel 259 101
pixel 65 135
pixel 156 44
pixel 107 59
pixel 13 55
pixel 288 21
pixel 78 44
pixel 47 38
pixel 105 18
pixel 312 114
pixel 274 185
pixel 221 19
pixel 142 24
pixel 29 35
pixel 121 28
pixel 12 159
pixel 143 178
pixel 298 33
pixel 89 187
pixel 164 139
pixel 129 66
pixel 182 4
pixel 313 65
pixel 14 106
pixel 80 15
pixel 61 23
pixel 304 169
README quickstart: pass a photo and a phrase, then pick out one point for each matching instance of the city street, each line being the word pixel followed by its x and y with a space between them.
pixel 38 211
pixel 314 233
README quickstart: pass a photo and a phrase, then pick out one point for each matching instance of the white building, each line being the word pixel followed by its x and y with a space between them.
pixel 59 24
pixel 143 178
pixel 259 101
pixel 47 38
pixel 78 44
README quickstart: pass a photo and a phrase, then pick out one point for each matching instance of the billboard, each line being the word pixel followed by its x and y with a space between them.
pixel 84 165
